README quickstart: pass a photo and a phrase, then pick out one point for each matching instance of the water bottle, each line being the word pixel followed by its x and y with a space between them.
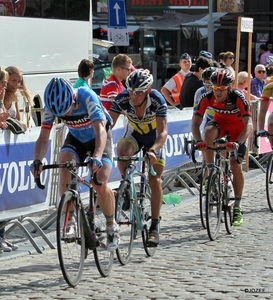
pixel 172 199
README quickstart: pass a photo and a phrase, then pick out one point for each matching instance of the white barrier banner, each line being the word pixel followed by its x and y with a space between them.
pixel 18 192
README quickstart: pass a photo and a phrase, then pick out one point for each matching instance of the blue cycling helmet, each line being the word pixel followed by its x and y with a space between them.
pixel 58 96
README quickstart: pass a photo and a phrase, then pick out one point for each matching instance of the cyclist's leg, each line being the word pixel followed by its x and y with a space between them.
pixel 270 128
pixel 211 132
pixel 238 183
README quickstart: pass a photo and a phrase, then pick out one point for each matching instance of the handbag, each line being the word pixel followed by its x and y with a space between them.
pixel 15 126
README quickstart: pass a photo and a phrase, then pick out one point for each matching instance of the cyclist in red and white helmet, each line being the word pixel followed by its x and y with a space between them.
pixel 232 116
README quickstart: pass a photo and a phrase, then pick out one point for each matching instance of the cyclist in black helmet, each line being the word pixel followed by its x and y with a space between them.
pixel 146 110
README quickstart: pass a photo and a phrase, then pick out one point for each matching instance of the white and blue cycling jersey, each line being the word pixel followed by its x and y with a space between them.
pixel 80 122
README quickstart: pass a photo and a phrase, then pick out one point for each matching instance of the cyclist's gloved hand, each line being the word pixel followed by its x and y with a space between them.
pixel 262 133
pixel 200 145
pixel 36 167
pixel 232 145
pixel 97 162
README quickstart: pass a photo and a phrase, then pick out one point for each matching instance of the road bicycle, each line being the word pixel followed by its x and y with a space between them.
pixel 90 229
pixel 215 195
pixel 133 206
pixel 269 171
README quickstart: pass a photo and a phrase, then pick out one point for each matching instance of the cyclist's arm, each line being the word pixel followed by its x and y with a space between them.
pixel 195 127
pixel 41 144
pixel 248 128
pixel 162 132
pixel 262 113
pixel 101 137
pixel 114 116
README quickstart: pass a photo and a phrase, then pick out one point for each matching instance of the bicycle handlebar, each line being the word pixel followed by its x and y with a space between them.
pixel 256 135
pixel 136 158
pixel 71 166
pixel 218 146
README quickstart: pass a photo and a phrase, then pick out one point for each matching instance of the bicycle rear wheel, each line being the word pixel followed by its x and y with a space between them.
pixel 103 258
pixel 213 204
pixel 71 247
pixel 269 182
pixel 125 219
pixel 202 199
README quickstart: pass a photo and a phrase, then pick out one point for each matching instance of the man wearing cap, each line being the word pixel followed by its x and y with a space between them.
pixel 207 55
pixel 171 89
pixel 193 82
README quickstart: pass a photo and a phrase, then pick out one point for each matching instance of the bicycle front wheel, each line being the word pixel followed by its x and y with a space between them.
pixel 269 182
pixel 202 199
pixel 228 207
pixel 70 239
pixel 125 220
pixel 104 259
pixel 147 219
pixel 213 204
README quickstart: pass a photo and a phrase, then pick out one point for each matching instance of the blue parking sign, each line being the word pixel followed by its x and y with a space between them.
pixel 116 14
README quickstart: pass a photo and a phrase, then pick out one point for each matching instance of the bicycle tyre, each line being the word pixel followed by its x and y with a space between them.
pixel 125 219
pixel 71 251
pixel 213 204
pixel 147 219
pixel 202 199
pixel 269 182
pixel 228 207
pixel 103 258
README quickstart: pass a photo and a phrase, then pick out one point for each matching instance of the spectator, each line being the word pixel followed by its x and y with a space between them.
pixel 207 55
pixel 262 50
pixel 112 86
pixel 192 82
pixel 3 85
pixel 267 53
pixel 85 73
pixel 258 82
pixel 14 83
pixel 16 88
pixel 243 80
pixel 171 89
pixel 221 59
pixel 161 65
pixel 229 59
pixel 269 72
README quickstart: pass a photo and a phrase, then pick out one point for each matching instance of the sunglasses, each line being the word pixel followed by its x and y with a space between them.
pixel 137 93
pixel 230 57
pixel 207 85
pixel 261 71
pixel 219 88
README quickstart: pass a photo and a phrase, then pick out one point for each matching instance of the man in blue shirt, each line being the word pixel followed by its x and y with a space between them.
pixel 257 83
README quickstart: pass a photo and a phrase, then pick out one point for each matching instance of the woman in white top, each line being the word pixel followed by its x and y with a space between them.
pixel 16 88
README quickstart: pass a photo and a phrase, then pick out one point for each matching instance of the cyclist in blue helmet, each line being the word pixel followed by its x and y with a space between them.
pixel 88 123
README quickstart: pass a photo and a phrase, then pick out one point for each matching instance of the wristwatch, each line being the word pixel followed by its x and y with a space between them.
pixel 155 151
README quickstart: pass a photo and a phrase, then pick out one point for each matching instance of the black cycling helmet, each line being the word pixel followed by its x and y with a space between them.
pixel 58 96
pixel 139 80
pixel 222 77
pixel 207 73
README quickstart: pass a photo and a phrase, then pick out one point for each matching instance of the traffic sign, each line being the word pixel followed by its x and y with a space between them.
pixel 119 36
pixel 116 14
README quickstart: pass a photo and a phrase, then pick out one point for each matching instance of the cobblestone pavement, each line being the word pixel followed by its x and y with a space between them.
pixel 186 266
